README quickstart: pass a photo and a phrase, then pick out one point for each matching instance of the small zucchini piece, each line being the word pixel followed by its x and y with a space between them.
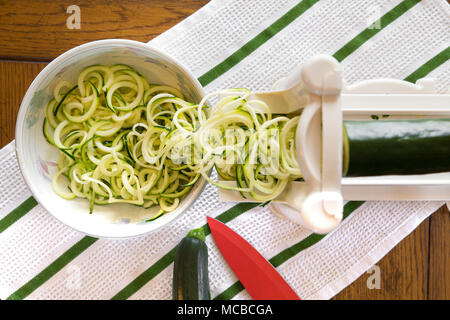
pixel 224 175
pixel 190 271
pixel 156 216
pixel 239 178
pixel 48 136
pixel 64 98
pixel 190 184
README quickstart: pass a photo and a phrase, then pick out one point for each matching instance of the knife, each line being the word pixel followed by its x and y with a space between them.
pixel 257 275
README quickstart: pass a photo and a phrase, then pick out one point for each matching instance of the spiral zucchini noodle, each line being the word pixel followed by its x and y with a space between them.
pixel 245 144
pixel 123 140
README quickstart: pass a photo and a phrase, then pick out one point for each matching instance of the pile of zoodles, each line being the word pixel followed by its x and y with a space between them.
pixel 123 140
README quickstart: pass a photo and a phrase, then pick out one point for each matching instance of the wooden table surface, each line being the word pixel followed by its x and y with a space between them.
pixel 32 33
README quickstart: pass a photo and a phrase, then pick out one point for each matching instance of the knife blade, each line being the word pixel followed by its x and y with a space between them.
pixel 257 275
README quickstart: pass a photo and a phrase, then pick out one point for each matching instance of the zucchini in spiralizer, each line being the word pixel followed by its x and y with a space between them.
pixel 397 147
pixel 264 160
pixel 374 147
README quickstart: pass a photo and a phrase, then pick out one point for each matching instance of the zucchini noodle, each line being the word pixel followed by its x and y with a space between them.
pixel 123 140
pixel 245 144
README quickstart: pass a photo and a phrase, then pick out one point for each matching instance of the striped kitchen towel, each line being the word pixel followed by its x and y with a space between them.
pixel 240 43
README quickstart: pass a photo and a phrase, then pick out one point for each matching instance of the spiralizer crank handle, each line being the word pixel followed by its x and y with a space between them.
pixel 319 143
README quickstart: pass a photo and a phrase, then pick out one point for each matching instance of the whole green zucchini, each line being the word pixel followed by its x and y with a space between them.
pixel 190 270
pixel 396 147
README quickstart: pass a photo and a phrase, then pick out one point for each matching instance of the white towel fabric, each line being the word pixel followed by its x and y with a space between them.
pixel 35 250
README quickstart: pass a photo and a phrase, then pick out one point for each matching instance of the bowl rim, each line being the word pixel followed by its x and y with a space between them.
pixel 27 98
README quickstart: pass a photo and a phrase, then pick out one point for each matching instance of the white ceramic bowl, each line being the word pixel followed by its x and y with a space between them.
pixel 37 159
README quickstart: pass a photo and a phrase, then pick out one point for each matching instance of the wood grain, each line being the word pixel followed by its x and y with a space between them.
pixel 417 268
pixel 403 271
pixel 15 77
pixel 36 30
pixel 439 255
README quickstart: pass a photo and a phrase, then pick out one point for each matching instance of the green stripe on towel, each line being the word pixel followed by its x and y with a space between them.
pixel 376 27
pixel 432 64
pixel 17 213
pixel 256 42
pixel 53 268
